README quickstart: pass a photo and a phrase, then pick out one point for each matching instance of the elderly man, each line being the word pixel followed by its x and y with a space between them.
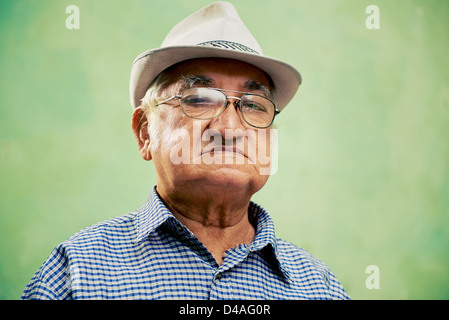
pixel 204 104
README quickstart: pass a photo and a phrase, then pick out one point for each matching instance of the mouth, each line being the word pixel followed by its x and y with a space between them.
pixel 232 150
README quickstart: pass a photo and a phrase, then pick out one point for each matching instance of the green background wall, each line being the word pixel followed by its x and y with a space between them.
pixel 363 173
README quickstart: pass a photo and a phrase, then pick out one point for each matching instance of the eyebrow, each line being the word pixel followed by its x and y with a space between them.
pixel 256 86
pixel 191 80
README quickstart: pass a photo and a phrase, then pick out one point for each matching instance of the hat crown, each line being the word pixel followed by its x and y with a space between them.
pixel 217 25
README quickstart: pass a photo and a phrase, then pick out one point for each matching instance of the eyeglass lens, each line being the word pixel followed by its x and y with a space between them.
pixel 207 103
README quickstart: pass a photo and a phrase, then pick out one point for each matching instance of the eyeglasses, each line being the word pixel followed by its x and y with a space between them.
pixel 208 103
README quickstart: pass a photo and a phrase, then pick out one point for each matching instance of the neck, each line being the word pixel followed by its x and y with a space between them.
pixel 219 220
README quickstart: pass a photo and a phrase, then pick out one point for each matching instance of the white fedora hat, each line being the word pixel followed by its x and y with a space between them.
pixel 213 31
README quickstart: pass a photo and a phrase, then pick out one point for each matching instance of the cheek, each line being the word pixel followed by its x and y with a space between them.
pixel 170 136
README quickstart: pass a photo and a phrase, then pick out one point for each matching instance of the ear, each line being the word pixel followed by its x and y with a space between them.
pixel 140 124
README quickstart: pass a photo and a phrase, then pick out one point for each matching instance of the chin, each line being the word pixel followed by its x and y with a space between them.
pixel 233 177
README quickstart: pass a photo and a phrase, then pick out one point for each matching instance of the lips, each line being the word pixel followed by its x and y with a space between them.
pixel 224 149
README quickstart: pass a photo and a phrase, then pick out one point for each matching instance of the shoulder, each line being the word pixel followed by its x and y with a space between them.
pixel 294 255
pixel 86 249
pixel 103 238
pixel 304 268
pixel 117 227
pixel 109 239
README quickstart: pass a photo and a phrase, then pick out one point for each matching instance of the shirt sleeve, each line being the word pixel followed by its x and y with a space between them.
pixel 52 281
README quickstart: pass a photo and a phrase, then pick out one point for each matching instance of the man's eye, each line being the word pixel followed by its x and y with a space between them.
pixel 196 101
pixel 254 107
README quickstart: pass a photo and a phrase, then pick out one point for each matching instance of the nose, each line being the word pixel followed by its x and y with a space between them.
pixel 230 118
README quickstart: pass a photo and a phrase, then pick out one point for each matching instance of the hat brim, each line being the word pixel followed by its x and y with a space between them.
pixel 150 63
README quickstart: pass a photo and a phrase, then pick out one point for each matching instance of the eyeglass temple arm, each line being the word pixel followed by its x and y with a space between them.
pixel 166 100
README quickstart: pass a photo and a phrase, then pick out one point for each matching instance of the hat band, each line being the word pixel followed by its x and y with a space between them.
pixel 227 45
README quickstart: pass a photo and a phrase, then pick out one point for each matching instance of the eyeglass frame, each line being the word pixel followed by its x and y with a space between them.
pixel 237 104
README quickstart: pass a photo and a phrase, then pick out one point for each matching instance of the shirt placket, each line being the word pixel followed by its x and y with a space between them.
pixel 222 284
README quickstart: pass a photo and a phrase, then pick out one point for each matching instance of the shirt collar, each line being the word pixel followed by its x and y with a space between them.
pixel 151 215
pixel 266 237
pixel 154 213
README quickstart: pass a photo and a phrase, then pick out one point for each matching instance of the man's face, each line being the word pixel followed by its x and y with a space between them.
pixel 219 153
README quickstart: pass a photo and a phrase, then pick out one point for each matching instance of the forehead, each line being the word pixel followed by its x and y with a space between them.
pixel 221 71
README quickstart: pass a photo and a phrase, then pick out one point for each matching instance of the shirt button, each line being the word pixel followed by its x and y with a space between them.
pixel 218 276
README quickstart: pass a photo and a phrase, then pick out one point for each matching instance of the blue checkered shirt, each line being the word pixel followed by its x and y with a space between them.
pixel 149 254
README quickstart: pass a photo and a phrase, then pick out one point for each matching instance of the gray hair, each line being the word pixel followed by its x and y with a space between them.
pixel 154 91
